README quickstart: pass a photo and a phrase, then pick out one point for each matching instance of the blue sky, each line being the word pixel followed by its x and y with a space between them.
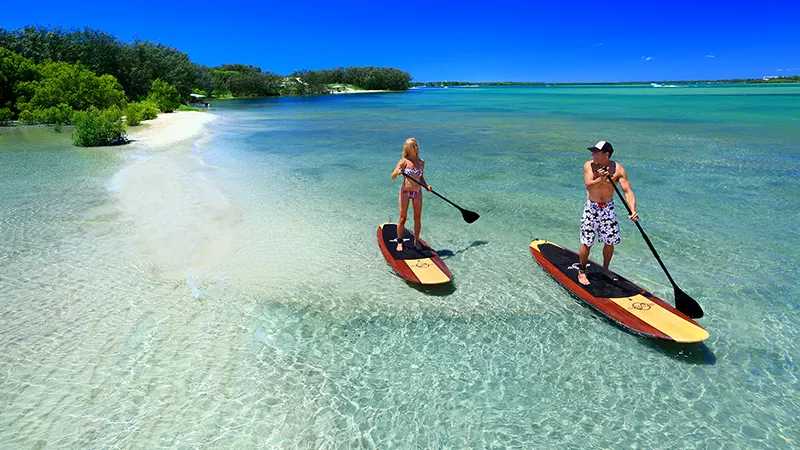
pixel 458 41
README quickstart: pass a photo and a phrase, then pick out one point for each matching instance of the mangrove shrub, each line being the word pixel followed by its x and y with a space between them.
pixel 95 127
pixel 5 115
pixel 136 112
pixel 14 69
pixel 60 114
pixel 165 96
pixel 68 84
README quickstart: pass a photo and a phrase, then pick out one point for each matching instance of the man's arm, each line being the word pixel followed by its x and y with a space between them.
pixel 626 189
pixel 588 176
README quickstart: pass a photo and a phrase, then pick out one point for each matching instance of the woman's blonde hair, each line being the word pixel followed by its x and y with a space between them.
pixel 407 146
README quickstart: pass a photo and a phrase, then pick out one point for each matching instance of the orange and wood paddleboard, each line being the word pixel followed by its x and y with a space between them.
pixel 620 300
pixel 421 266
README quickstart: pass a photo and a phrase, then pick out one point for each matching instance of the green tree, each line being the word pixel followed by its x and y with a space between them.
pixel 60 114
pixel 95 127
pixel 5 115
pixel 164 95
pixel 134 65
pixel 136 112
pixel 70 84
pixel 143 62
pixel 377 78
pixel 14 69
pixel 254 84
pixel 93 48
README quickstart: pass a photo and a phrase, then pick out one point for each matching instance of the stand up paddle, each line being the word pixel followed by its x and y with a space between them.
pixel 468 216
pixel 683 302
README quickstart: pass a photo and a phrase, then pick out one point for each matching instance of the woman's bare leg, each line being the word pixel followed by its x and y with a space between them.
pixel 417 202
pixel 402 202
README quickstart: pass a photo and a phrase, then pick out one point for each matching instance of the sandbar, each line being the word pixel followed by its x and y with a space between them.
pixel 172 200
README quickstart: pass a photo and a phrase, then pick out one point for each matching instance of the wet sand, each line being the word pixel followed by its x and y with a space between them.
pixel 181 219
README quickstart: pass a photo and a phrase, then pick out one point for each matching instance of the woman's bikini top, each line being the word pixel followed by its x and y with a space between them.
pixel 417 172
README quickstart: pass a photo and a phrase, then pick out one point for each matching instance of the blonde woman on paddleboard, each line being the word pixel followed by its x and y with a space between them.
pixel 410 192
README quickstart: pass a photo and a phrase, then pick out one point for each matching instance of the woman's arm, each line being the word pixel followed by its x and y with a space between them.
pixel 398 168
pixel 422 178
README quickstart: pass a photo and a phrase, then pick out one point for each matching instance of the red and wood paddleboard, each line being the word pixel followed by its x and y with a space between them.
pixel 421 266
pixel 620 300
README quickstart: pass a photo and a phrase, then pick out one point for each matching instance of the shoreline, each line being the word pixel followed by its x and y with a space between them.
pixel 366 91
pixel 182 221
pixel 169 128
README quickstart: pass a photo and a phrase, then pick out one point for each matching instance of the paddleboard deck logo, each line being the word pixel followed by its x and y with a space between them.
pixel 417 264
pixel 641 306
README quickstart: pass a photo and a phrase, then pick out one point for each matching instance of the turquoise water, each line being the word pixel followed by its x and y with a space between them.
pixel 280 324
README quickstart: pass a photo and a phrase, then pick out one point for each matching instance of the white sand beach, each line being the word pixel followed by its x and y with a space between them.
pixel 169 128
pixel 354 91
pixel 182 221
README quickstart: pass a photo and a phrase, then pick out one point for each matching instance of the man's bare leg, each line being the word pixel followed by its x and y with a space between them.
pixel 608 253
pixel 583 257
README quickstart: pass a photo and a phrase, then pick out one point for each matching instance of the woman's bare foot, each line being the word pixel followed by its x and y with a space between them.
pixel 399 247
pixel 582 278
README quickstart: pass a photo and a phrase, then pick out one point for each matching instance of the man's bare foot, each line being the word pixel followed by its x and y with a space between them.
pixel 582 278
pixel 611 275
pixel 417 245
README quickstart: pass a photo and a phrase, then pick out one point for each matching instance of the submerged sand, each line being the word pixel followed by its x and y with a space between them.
pixel 181 220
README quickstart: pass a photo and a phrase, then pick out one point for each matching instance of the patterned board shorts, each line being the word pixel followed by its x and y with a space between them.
pixel 600 219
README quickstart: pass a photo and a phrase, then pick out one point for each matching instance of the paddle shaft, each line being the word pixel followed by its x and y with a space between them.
pixel 426 186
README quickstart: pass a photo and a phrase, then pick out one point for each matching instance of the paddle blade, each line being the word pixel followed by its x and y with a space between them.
pixel 470 216
pixel 687 305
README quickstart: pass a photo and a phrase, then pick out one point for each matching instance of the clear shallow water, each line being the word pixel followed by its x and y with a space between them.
pixel 299 334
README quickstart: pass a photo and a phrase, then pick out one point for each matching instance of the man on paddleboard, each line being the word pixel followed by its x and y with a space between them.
pixel 599 216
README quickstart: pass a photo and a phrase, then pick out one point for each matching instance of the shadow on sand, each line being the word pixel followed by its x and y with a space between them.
pixel 444 254
pixel 436 290
pixel 698 353
pixel 441 290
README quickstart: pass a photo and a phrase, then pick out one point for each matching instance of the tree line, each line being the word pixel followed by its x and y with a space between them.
pixel 134 65
pixel 47 74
